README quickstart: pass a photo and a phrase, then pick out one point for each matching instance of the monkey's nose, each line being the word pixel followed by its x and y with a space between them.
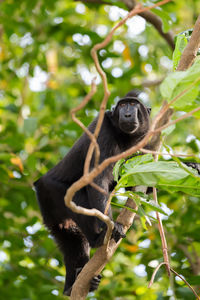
pixel 127 115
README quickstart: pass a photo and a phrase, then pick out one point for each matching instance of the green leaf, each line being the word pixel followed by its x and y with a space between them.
pixel 169 84
pixel 123 206
pixel 116 169
pixel 149 202
pixel 163 175
pixel 186 101
pixel 136 161
pixel 120 166
pixel 153 205
pixel 186 82
pixel 181 43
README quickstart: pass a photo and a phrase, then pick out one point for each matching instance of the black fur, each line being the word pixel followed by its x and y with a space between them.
pixel 122 128
pixel 194 166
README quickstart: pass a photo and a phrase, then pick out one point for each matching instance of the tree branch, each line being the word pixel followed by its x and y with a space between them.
pixel 181 277
pixel 157 23
pixel 101 256
pixel 189 54
pixel 147 15
pixel 85 129
pixel 154 20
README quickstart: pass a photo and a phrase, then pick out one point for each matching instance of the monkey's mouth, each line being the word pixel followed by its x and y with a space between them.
pixel 129 127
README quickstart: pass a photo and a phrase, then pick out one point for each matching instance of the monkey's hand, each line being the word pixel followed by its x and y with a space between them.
pixel 118 232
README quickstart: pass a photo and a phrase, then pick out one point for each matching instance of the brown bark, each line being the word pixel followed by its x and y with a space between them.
pixel 190 51
pixel 101 257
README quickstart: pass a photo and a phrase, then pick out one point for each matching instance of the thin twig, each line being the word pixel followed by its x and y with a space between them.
pixel 108 202
pixel 167 105
pixel 189 114
pixel 91 136
pixel 154 273
pixel 98 188
pixel 160 227
pixel 85 129
pixel 183 92
pixel 87 97
pixel 173 271
pixel 154 20
pixel 181 277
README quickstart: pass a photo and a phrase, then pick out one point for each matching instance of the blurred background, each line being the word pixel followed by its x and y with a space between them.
pixel 45 70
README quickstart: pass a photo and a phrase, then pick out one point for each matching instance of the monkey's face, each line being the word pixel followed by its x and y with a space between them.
pixel 133 116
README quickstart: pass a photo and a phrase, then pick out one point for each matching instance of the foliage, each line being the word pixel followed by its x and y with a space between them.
pixel 163 175
pixel 178 82
pixel 46 69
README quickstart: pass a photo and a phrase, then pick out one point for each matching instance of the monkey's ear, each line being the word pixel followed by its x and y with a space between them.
pixel 149 110
pixel 113 108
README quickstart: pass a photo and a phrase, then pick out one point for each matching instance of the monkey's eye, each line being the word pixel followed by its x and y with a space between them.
pixel 122 104
pixel 132 103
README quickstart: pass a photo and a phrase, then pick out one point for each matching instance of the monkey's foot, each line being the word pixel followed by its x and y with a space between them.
pixel 94 283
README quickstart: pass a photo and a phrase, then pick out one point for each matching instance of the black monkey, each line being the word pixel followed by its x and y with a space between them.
pixel 122 128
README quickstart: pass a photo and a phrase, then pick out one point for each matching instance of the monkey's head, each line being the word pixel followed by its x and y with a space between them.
pixel 131 116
